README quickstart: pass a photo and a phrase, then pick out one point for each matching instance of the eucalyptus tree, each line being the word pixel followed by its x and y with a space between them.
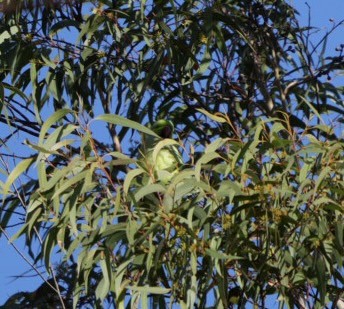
pixel 255 210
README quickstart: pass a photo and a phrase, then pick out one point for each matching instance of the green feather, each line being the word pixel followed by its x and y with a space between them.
pixel 168 159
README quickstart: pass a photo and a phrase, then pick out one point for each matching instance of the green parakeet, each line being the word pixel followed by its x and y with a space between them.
pixel 161 155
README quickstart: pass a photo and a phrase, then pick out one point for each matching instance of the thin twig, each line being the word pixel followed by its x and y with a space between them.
pixel 3 231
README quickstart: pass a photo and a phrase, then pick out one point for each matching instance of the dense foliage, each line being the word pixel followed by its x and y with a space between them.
pixel 256 209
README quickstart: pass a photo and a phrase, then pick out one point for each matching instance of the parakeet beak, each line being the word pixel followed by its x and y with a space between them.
pixel 166 132
pixel 164 128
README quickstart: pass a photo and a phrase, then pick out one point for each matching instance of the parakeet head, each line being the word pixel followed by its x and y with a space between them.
pixel 164 128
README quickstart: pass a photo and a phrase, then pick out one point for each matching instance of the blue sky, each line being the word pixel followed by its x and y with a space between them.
pixel 14 265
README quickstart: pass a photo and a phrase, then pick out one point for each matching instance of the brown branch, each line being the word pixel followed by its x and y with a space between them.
pixel 22 127
pixel 10 6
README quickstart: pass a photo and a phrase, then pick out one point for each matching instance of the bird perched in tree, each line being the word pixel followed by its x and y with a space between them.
pixel 161 155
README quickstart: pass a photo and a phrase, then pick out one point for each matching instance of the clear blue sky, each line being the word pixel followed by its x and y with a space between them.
pixel 13 265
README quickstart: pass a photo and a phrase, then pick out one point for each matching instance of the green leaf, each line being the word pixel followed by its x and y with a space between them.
pixel 129 178
pixel 219 119
pixel 5 35
pixel 203 160
pixel 124 122
pixel 2 96
pixel 229 188
pixel 63 24
pixel 103 286
pixel 220 255
pixel 149 289
pixel 17 171
pixel 212 147
pixel 306 168
pixel 321 177
pixel 149 189
pixel 50 121
pixel 68 184
pixel 16 91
